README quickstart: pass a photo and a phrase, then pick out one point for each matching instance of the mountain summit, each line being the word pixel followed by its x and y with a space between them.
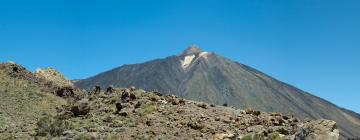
pixel 191 50
pixel 208 77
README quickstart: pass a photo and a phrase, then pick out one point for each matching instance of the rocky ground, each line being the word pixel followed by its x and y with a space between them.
pixel 137 114
pixel 132 113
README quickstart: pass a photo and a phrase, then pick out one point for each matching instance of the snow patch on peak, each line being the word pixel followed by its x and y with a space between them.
pixel 204 55
pixel 187 61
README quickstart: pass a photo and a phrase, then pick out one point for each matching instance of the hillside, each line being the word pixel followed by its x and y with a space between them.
pixel 208 77
pixel 23 100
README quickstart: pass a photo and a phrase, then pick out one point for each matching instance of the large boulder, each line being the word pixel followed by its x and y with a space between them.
pixel 318 130
pixel 81 107
pixel 65 91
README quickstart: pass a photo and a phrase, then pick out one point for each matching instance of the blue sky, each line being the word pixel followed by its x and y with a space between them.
pixel 312 44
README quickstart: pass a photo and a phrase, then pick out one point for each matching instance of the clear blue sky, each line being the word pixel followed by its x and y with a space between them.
pixel 312 44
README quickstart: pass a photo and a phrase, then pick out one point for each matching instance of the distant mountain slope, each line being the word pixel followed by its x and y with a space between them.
pixel 211 78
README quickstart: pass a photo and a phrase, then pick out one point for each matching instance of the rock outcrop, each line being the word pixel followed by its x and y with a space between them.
pixel 318 130
pixel 54 76
pixel 81 107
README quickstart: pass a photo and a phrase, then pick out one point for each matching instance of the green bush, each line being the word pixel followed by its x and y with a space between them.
pixel 50 126
pixel 84 136
pixel 247 137
pixel 112 136
pixel 258 137
pixel 275 136
pixel 146 108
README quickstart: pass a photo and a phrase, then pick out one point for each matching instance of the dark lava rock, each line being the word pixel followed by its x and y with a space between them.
pixel 97 90
pixel 81 107
pixel 157 93
pixel 109 90
pixel 204 106
pixel 132 96
pixel 65 92
pixel 118 106
pixel 123 114
pixel 257 113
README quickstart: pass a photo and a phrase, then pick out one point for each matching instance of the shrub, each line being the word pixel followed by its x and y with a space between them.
pixel 247 137
pixel 84 136
pixel 50 126
pixel 112 136
pixel 146 108
pixel 275 136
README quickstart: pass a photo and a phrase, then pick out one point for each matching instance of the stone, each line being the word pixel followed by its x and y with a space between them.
pixel 132 96
pixel 64 92
pixel 148 123
pixel 125 95
pixel 301 134
pixel 256 113
pixel 81 107
pixel 249 111
pixel 224 136
pixel 124 114
pixel 204 106
pixel 118 130
pixel 132 88
pixel 256 128
pixel 227 120
pixel 286 117
pixel 137 105
pixel 97 89
pixel 275 114
pixel 110 90
pixel 281 129
pixel 195 125
pixel 319 129
pixel 118 106
pixel 182 102
pixel 174 100
pixel 217 119
pixel 157 93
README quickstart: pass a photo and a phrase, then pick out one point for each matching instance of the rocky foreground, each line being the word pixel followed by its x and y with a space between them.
pixel 137 114
pixel 132 113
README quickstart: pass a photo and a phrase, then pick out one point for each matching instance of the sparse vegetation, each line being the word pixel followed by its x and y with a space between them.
pixel 22 103
pixel 247 137
pixel 50 126
pixel 275 136
pixel 147 108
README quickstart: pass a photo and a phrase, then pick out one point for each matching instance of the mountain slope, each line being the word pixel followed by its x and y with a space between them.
pixel 23 100
pixel 211 78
